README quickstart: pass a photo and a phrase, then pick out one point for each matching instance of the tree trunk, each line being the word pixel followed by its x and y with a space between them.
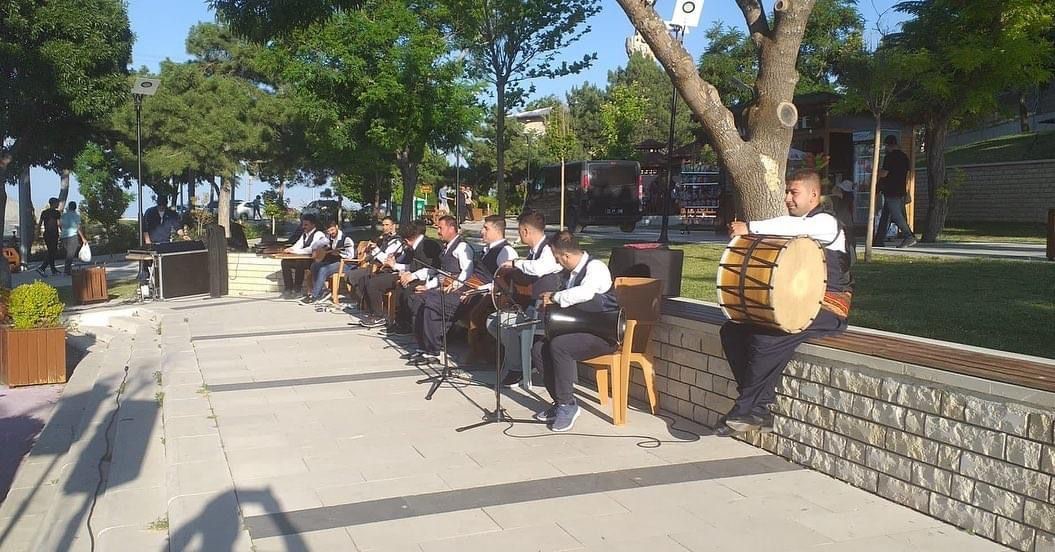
pixel 191 182
pixel 26 217
pixel 64 187
pixel 5 269
pixel 408 169
pixel 223 204
pixel 755 166
pixel 937 193
pixel 500 146
pixel 1023 112
pixel 870 233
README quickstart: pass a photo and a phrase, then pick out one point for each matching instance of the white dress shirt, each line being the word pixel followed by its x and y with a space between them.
pixel 506 254
pixel 303 246
pixel 543 263
pixel 402 267
pixel 821 227
pixel 461 252
pixel 598 279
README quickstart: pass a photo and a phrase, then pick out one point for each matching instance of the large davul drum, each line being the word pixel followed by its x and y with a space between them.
pixel 772 281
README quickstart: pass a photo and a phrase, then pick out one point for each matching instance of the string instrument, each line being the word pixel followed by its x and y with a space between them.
pixel 511 289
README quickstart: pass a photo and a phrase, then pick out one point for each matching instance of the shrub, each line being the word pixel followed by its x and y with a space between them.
pixel 35 305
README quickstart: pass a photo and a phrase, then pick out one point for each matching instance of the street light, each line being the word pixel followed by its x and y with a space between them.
pixel 141 87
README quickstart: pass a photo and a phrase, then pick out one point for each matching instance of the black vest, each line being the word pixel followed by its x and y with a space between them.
pixel 601 301
pixel 837 263
pixel 489 262
pixel 306 239
pixel 426 253
pixel 448 262
pixel 540 284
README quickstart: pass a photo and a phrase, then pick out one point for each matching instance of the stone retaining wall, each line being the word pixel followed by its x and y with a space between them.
pixel 977 454
pixel 997 192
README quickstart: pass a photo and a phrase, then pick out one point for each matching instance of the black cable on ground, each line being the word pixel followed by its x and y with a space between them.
pixel 107 455
pixel 644 441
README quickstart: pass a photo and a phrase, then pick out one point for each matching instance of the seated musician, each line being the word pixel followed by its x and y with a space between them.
pixel 435 301
pixel 310 240
pixel 587 286
pixel 540 269
pixel 756 355
pixel 496 253
pixel 327 261
pixel 417 251
pixel 376 254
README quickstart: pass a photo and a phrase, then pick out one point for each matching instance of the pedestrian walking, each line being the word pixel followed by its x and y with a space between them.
pixel 892 184
pixel 49 226
pixel 72 234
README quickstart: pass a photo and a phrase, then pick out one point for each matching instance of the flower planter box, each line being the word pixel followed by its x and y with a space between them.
pixel 32 356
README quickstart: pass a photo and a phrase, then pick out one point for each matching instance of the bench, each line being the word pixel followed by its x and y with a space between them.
pixel 941 357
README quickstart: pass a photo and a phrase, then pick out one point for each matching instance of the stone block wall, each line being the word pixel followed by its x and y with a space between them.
pixel 976 454
pixel 998 192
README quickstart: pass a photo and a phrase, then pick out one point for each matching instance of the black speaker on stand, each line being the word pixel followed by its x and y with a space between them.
pixel 216 241
pixel 660 263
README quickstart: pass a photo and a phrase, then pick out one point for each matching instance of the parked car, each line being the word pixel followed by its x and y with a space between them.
pixel 321 208
pixel 242 210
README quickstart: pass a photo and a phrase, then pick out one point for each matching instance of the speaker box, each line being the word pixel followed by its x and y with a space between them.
pixel 182 274
pixel 660 263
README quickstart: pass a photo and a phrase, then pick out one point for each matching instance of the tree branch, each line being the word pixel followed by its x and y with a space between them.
pixel 755 16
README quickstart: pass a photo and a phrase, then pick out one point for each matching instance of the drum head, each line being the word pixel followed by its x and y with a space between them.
pixel 798 284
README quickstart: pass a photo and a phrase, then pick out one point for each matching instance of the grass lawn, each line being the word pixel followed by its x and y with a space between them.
pixel 1006 305
pixel 122 289
pixel 994 232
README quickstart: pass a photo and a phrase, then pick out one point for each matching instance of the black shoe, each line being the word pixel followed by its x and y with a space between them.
pixel 743 424
pixel 767 422
pixel 409 356
pixel 512 378
pixel 396 330
pixel 908 242
pixel 306 300
pixel 372 322
pixel 42 273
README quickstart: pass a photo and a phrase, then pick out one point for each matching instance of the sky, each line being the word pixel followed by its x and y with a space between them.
pixel 161 29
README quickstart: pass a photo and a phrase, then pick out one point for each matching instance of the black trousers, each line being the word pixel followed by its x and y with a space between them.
pixel 435 316
pixel 558 360
pixel 758 356
pixel 51 241
pixel 358 278
pixel 293 273
pixel 376 287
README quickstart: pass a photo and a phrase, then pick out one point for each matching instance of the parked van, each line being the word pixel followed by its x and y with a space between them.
pixel 597 193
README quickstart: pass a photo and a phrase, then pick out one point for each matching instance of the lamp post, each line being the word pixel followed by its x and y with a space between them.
pixel 678 31
pixel 142 87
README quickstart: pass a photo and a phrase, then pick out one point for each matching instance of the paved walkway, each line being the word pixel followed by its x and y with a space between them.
pixel 261 424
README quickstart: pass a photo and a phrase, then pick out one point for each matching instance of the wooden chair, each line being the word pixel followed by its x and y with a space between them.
pixel 338 278
pixel 640 298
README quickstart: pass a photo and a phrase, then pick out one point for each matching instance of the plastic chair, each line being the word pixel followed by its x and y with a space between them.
pixel 640 299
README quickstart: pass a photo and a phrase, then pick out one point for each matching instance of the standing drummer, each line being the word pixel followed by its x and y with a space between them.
pixel 758 355
pixel 587 286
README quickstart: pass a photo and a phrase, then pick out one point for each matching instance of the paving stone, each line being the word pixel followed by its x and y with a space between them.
pixel 913 496
pixel 330 539
pixel 1039 514
pixel 963 515
pixel 932 478
pixel 1022 452
pixel 920 397
pixel 1001 416
pixel 421 529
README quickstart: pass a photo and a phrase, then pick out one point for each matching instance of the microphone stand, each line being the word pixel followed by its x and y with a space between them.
pixel 445 375
pixel 499 414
